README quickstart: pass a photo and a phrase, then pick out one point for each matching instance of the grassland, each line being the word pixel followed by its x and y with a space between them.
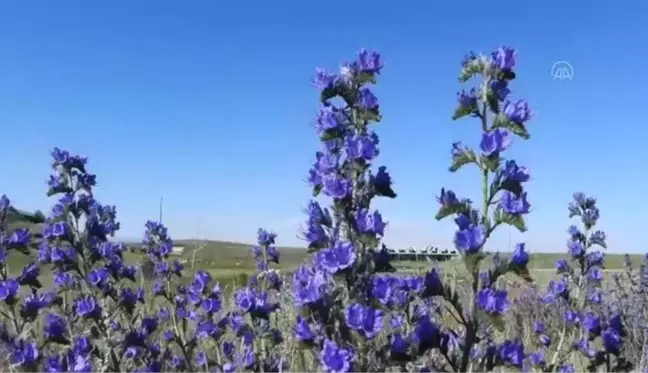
pixel 231 262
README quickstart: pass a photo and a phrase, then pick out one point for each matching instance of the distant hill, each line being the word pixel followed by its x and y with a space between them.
pixel 22 219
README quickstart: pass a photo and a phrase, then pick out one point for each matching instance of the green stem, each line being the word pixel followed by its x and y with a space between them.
pixel 471 325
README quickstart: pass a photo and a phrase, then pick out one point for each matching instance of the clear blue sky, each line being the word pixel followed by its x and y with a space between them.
pixel 208 103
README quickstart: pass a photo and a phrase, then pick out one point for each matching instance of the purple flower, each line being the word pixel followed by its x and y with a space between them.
pixel 9 290
pixel 99 277
pixel 611 340
pixel 467 100
pixel 370 223
pixel 264 238
pixel 4 202
pixel 335 359
pixel 566 368
pixel 353 315
pixel 592 324
pixel 562 266
pixel 499 88
pixel 448 199
pixel 381 289
pixel 572 317
pixel 366 320
pixel 363 146
pixel 324 80
pixel 492 301
pixel 518 112
pixel 537 358
pixel 55 327
pixel 470 239
pixel 86 306
pixel 576 249
pixel 504 58
pixel 29 275
pixel 336 186
pixel 382 183
pixel 368 62
pixel 367 100
pixel 513 205
pixel 328 119
pixel 245 299
pixel 520 256
pixel 495 141
pixel 514 173
pixel 24 353
pixel 20 237
pixel 432 284
pixel 426 334
pixel 337 258
pixel 309 286
pixel 511 353
pixel 303 331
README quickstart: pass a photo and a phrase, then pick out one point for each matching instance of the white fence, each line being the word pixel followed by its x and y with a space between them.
pixel 429 253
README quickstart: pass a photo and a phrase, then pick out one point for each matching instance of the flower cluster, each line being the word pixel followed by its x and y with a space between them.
pixel 592 329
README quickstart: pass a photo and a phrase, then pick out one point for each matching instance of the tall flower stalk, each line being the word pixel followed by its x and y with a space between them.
pixel 501 189
pixel 346 237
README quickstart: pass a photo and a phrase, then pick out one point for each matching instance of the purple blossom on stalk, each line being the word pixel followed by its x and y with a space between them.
pixel 495 141
pixel 514 173
pixel 500 89
pixel 366 320
pixel 467 100
pixel 336 258
pixel 362 146
pixel 335 359
pixel 337 186
pixel 324 80
pixel 470 237
pixel 371 223
pixel 329 119
pixel 514 205
pixel 504 58
pixel 368 62
pixel 520 256
pixel 367 100
pixel 518 112
pixel 493 301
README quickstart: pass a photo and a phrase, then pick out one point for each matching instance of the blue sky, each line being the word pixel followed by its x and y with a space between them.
pixel 208 103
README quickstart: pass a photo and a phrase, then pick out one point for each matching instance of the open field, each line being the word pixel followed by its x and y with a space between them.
pixel 232 263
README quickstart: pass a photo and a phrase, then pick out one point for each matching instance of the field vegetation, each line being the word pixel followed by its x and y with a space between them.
pixel 72 299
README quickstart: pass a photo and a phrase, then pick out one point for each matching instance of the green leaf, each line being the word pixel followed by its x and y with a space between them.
pixel 512 186
pixel 507 74
pixel 369 116
pixel 492 101
pixel 491 163
pixel 364 78
pixel 515 220
pixel 501 121
pixel 462 111
pixel 473 261
pixel 445 211
pixel 522 273
pixel 471 69
pixel 497 322
pixel 328 93
pixel 59 189
pixel 317 190
pixel 468 156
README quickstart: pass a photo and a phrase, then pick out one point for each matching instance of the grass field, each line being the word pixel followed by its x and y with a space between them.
pixel 231 263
